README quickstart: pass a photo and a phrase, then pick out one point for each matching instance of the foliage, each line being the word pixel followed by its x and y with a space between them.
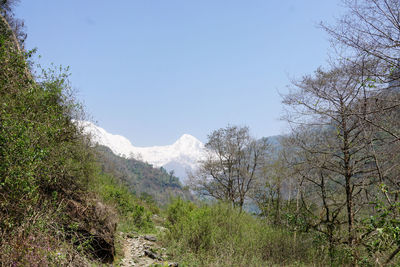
pixel 220 235
pixel 382 230
pixel 134 213
pixel 140 177
pixel 45 168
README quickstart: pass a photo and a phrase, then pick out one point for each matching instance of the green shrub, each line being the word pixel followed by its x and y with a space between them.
pixel 133 212
pixel 220 235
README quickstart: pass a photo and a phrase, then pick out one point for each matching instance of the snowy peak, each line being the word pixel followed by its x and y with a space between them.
pixel 188 141
pixel 118 144
pixel 187 138
pixel 182 156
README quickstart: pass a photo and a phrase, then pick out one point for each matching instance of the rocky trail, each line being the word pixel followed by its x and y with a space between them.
pixel 143 250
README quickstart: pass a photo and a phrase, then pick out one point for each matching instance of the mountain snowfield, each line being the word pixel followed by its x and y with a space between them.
pixel 181 156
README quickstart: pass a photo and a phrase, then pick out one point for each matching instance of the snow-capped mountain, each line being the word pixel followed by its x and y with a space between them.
pixel 181 156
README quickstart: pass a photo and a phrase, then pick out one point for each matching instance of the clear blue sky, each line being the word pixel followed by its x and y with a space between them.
pixel 152 70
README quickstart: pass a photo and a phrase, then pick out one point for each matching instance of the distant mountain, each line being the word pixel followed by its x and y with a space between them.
pixel 180 157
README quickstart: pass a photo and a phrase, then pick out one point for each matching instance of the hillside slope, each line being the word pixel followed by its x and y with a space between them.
pixel 48 215
pixel 142 178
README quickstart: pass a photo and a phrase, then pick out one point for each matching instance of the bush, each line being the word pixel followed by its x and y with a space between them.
pixel 134 214
pixel 220 235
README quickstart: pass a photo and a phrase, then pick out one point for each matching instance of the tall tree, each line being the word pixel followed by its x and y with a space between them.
pixel 233 164
pixel 371 29
pixel 333 149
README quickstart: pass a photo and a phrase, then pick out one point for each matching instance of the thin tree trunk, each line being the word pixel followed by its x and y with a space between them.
pixel 394 253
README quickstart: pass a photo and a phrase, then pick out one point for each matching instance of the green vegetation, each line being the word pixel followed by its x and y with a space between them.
pixel 48 216
pixel 56 208
pixel 220 235
pixel 134 214
pixel 142 178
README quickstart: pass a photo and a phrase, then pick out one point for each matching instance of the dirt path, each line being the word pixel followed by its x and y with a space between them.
pixel 142 251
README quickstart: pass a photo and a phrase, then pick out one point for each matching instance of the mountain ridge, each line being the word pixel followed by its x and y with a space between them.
pixel 181 156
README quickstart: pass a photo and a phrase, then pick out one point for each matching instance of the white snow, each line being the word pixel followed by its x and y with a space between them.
pixel 184 154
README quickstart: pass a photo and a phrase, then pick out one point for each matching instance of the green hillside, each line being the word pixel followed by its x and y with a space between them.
pixel 142 178
pixel 55 204
pixel 48 216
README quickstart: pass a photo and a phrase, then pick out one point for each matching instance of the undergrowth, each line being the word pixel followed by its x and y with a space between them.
pixel 220 235
pixel 133 213
pixel 48 216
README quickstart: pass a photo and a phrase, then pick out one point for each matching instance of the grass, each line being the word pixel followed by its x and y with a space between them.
pixel 219 235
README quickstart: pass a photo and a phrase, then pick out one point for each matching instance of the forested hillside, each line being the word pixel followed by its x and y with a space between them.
pixel 142 178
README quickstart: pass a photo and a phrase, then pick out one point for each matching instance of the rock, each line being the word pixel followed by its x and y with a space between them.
pixel 150 238
pixel 152 255
pixel 132 234
pixel 173 264
pixel 97 223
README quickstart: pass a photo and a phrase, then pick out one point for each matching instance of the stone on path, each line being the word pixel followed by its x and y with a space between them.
pixel 152 255
pixel 150 238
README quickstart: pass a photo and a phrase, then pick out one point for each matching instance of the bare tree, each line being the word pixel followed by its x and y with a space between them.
pixel 321 191
pixel 275 191
pixel 232 165
pixel 333 157
pixel 372 28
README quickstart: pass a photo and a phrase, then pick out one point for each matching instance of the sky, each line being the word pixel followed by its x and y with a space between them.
pixel 153 70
